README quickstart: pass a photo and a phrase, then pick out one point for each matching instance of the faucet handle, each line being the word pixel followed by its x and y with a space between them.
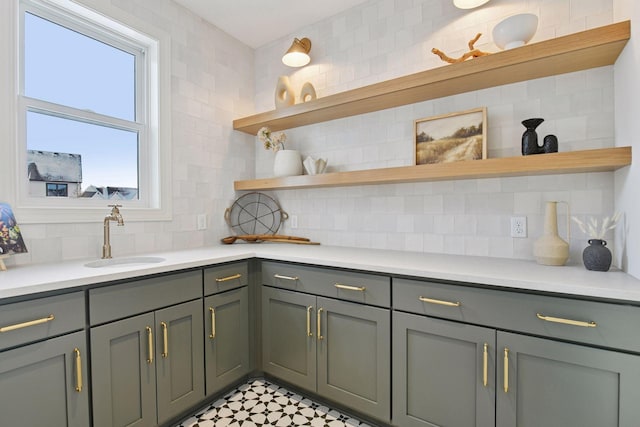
pixel 115 206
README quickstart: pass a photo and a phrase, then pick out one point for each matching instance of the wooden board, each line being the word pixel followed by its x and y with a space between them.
pixel 600 160
pixel 584 50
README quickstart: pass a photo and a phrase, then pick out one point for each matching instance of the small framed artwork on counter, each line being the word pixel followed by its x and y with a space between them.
pixel 11 241
pixel 451 137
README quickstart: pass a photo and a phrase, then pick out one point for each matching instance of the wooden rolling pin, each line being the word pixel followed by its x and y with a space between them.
pixel 263 237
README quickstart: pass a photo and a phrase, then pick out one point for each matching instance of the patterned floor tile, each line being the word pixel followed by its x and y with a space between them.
pixel 261 403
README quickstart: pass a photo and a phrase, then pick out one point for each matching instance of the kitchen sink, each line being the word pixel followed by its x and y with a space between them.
pixel 125 261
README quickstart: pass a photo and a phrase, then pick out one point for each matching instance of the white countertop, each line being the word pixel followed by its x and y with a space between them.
pixel 569 280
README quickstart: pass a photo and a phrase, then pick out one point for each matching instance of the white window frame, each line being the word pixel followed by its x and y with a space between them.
pixel 105 23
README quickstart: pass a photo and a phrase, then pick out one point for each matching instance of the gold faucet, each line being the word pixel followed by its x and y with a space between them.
pixel 113 216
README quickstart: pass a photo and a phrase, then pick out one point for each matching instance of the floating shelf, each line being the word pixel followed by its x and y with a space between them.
pixel 600 160
pixel 580 51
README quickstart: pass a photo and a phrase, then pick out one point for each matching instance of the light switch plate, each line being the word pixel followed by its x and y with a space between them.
pixel 202 222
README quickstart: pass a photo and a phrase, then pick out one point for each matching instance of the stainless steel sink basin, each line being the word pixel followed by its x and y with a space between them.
pixel 125 261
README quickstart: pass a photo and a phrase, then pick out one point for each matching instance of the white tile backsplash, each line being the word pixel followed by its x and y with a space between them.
pixel 216 79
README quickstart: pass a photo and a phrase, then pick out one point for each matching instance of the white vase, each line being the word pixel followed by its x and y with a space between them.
pixel 287 163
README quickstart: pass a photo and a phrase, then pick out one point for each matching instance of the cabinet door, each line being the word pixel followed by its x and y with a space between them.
pixel 226 338
pixel 180 358
pixel 552 383
pixel 123 373
pixel 443 373
pixel 288 341
pixel 40 385
pixel 354 356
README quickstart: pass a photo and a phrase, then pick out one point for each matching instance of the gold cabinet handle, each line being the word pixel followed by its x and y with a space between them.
pixel 319 325
pixel 309 309
pixel 78 370
pixel 226 279
pixel 506 370
pixel 149 345
pixel 440 302
pixel 485 364
pixel 566 321
pixel 165 339
pixel 49 318
pixel 350 288
pixel 280 276
pixel 212 310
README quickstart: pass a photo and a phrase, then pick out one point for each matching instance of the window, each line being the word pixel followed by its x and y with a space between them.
pixel 88 112
pixel 57 190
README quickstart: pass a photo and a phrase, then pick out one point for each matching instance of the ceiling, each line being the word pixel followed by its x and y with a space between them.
pixel 258 22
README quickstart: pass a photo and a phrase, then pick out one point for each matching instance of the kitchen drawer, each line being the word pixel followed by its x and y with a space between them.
pixel 515 311
pixel 351 286
pixel 41 318
pixel 225 277
pixel 127 299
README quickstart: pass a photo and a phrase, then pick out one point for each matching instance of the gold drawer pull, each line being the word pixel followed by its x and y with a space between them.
pixel 506 370
pixel 149 345
pixel 165 339
pixel 566 321
pixel 49 318
pixel 485 364
pixel 440 302
pixel 319 325
pixel 309 309
pixel 78 370
pixel 280 276
pixel 226 279
pixel 350 288
pixel 212 310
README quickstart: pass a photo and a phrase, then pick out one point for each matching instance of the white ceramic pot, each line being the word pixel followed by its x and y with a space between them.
pixel 515 31
pixel 287 163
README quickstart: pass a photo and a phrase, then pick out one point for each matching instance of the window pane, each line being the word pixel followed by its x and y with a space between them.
pixel 68 68
pixel 93 160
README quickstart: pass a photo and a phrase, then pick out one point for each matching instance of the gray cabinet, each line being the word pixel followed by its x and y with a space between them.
pixel 226 338
pixel 123 372
pixel 549 383
pixel 45 384
pixel 339 349
pixel 43 362
pixel 148 368
pixel 440 363
pixel 444 373
pixel 288 336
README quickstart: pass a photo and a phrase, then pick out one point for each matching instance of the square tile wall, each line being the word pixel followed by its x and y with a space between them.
pixel 210 84
pixel 384 39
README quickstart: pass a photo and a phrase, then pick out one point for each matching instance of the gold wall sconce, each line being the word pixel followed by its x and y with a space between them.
pixel 298 53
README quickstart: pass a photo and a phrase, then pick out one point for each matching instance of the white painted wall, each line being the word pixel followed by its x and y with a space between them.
pixel 383 39
pixel 627 107
pixel 210 84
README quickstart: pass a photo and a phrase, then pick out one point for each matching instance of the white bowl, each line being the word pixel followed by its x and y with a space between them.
pixel 515 31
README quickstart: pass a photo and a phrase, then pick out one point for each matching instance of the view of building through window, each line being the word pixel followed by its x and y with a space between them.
pixel 82 138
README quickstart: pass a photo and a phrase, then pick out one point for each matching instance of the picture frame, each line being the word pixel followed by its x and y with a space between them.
pixel 11 241
pixel 452 137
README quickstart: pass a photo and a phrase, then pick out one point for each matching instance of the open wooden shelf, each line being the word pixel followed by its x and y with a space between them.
pixel 580 51
pixel 600 160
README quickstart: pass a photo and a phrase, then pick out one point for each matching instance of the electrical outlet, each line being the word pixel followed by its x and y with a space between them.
pixel 294 221
pixel 518 226
pixel 202 222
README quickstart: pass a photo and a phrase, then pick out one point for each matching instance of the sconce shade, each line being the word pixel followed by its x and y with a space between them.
pixel 298 53
pixel 468 4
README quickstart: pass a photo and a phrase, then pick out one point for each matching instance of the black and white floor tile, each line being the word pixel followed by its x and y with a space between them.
pixel 261 403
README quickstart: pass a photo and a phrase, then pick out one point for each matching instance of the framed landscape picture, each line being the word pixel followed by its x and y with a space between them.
pixel 451 137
